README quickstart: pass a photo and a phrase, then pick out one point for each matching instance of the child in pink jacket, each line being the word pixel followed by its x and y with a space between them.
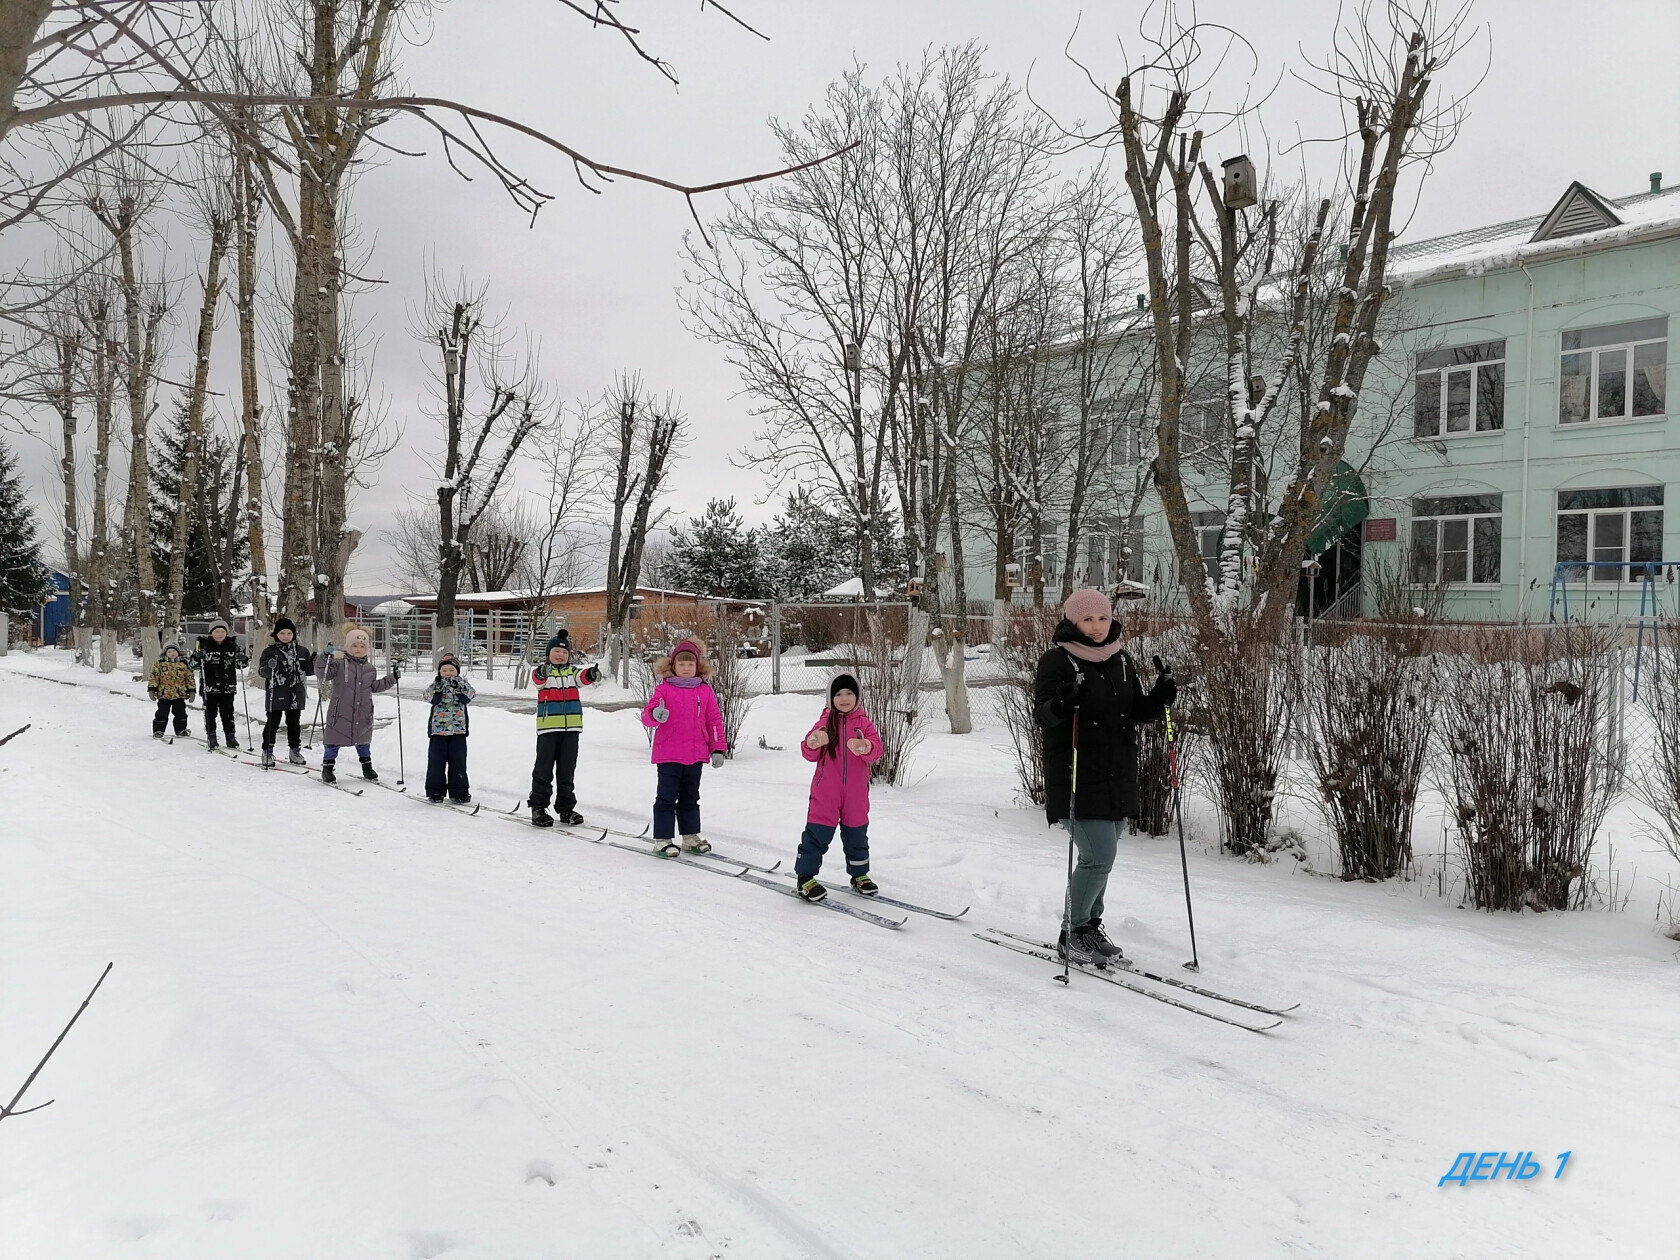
pixel 845 744
pixel 687 732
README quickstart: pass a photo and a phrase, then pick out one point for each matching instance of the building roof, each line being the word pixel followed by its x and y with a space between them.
pixel 1498 246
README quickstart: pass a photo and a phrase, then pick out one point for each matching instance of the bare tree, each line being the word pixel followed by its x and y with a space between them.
pixel 563 552
pixel 120 206
pixel 645 435
pixel 97 313
pixel 480 442
pixel 1196 238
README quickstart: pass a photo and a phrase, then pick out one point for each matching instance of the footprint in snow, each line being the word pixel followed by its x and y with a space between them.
pixel 426 1246
pixel 539 1170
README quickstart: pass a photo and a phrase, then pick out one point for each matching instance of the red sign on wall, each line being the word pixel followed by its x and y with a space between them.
pixel 1380 529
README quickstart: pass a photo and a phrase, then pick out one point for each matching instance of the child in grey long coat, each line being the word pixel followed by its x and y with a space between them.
pixel 350 716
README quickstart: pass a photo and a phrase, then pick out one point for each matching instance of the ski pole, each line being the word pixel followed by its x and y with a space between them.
pixel 402 768
pixel 1067 899
pixel 245 696
pixel 319 691
pixel 1184 862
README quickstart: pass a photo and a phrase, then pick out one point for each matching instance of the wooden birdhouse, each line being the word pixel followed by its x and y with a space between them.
pixel 1240 188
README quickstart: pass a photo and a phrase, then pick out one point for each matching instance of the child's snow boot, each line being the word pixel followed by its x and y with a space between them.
pixel 295 757
pixel 571 818
pixel 268 759
pixel 435 800
pixel 210 741
pixel 540 817
pixel 697 844
pixel 157 734
pixel 864 886
pixel 811 890
pixel 329 774
pixel 667 848
pixel 368 772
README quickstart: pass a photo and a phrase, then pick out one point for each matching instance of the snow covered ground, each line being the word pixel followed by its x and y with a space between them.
pixel 362 1027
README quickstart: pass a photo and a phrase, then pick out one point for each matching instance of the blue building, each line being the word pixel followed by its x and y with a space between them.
pixel 46 622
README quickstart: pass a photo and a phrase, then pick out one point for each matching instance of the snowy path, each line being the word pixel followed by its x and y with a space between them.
pixel 350 1027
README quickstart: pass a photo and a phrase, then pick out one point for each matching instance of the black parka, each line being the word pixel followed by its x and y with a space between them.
pixel 219 665
pixel 283 667
pixel 1100 703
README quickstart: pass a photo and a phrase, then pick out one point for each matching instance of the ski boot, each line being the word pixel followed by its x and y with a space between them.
pixel 697 844
pixel 1100 945
pixel 1076 950
pixel 540 817
pixel 329 773
pixel 811 890
pixel 267 761
pixel 368 772
pixel 295 757
pixel 210 741
pixel 570 818
pixel 666 848
pixel 435 800
pixel 157 734
pixel 462 800
pixel 865 887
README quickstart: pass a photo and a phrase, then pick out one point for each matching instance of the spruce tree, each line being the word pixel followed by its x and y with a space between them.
pixel 810 549
pixel 718 555
pixel 25 583
pixel 216 548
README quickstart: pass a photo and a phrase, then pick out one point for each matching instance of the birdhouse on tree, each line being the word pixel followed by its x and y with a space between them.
pixel 1239 182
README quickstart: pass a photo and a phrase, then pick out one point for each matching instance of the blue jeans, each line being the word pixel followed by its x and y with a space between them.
pixel 329 752
pixel 814 842
pixel 1096 839
pixel 676 804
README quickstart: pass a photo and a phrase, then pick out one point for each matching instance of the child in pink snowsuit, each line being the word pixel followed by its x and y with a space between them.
pixel 687 732
pixel 844 744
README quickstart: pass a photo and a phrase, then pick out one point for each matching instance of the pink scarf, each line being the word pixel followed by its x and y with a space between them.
pixel 1087 651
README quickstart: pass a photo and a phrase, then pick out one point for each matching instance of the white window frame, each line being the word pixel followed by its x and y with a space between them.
pixel 1438 523
pixel 1623 515
pixel 1439 379
pixel 1596 352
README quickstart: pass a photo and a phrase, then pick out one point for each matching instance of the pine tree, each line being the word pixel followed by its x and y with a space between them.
pixel 24 581
pixel 216 548
pixel 718 555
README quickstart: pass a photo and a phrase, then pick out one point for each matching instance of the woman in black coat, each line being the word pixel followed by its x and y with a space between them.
pixel 1088 698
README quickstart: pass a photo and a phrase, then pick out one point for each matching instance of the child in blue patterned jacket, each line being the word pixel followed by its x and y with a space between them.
pixel 447 726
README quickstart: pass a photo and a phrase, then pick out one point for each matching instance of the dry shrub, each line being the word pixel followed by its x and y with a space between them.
pixel 1525 719
pixel 1245 708
pixel 1369 701
pixel 1026 639
pixel 729 681
pixel 1658 787
pixel 1172 642
pixel 893 701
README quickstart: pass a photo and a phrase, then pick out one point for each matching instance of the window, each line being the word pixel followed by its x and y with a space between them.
pixel 1210 528
pixel 1609 528
pixel 1120 419
pixel 1616 372
pixel 1460 390
pixel 1455 540
pixel 1096 559
pixel 1036 555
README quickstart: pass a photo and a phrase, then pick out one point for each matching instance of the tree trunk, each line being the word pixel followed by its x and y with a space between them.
pixel 189 492
pixel 69 357
pixel 249 211
pixel 139 353
pixel 20 24
pixel 97 319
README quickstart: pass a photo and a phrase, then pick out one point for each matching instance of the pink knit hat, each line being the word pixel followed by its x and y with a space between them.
pixel 1087 603
pixel 689 646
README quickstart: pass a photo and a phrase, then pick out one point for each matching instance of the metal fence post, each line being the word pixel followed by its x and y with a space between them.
pixel 775 648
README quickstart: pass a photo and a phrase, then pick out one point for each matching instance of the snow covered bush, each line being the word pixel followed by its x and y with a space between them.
pixel 892 699
pixel 1245 707
pixel 1368 700
pixel 1525 720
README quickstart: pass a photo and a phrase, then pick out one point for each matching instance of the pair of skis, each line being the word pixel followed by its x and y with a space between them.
pixel 1118 970
pixel 287 767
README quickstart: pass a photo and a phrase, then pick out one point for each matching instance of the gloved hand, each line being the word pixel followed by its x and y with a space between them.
pixel 660 712
pixel 396 671
pixel 1162 668
pixel 191 696
pixel 591 676
pixel 1165 691
pixel 717 760
pixel 152 692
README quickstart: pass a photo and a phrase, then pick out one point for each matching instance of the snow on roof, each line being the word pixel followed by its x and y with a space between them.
pixel 1498 246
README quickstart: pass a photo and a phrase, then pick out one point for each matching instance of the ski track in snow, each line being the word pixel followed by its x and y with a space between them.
pixel 345 1027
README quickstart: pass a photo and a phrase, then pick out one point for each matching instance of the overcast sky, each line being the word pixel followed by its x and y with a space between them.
pixel 1570 93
